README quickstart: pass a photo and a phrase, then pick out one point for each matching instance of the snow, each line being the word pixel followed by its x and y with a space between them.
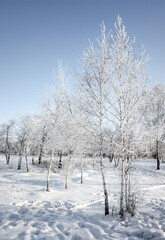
pixel 28 212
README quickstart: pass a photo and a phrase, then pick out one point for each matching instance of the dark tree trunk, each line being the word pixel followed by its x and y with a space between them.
pixel 60 160
pixel 20 161
pixel 40 155
pixel 157 155
pixel 40 158
pixel 7 158
pixel 48 186
pixel 111 157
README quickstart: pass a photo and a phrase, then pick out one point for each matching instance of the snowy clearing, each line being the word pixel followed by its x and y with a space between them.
pixel 28 212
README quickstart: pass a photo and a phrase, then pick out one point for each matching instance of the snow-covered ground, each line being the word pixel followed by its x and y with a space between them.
pixel 28 212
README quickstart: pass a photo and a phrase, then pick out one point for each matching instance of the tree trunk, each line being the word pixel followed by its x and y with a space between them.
pixel 157 155
pixel 67 171
pixel 66 176
pixel 49 171
pixel 104 185
pixel 126 190
pixel 60 160
pixel 20 161
pixel 7 158
pixel 66 179
pixel 40 157
pixel 116 160
pixel 27 163
pixel 121 212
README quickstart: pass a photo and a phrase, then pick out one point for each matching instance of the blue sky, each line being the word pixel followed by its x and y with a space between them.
pixel 34 34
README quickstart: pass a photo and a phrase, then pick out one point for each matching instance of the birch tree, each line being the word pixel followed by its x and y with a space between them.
pixel 111 83
pixel 93 90
pixel 128 81
pixel 22 136
pixel 55 112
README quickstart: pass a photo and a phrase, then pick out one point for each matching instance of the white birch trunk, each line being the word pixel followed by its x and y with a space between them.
pixel 49 171
pixel 67 172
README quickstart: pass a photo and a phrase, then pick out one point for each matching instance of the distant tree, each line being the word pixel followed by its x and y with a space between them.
pixel 26 128
pixel 21 143
pixel 43 137
pixel 6 139
pixel 56 114
pixel 153 115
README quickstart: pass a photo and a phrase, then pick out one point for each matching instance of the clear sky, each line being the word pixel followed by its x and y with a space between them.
pixel 35 33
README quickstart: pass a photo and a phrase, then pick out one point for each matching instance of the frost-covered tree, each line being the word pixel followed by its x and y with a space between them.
pixel 55 111
pixel 93 87
pixel 43 131
pixel 153 115
pixel 22 138
pixel 6 139
pixel 33 146
pixel 128 80
pixel 111 85
pixel 26 138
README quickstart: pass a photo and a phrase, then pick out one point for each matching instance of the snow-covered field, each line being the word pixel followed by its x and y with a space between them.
pixel 28 212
